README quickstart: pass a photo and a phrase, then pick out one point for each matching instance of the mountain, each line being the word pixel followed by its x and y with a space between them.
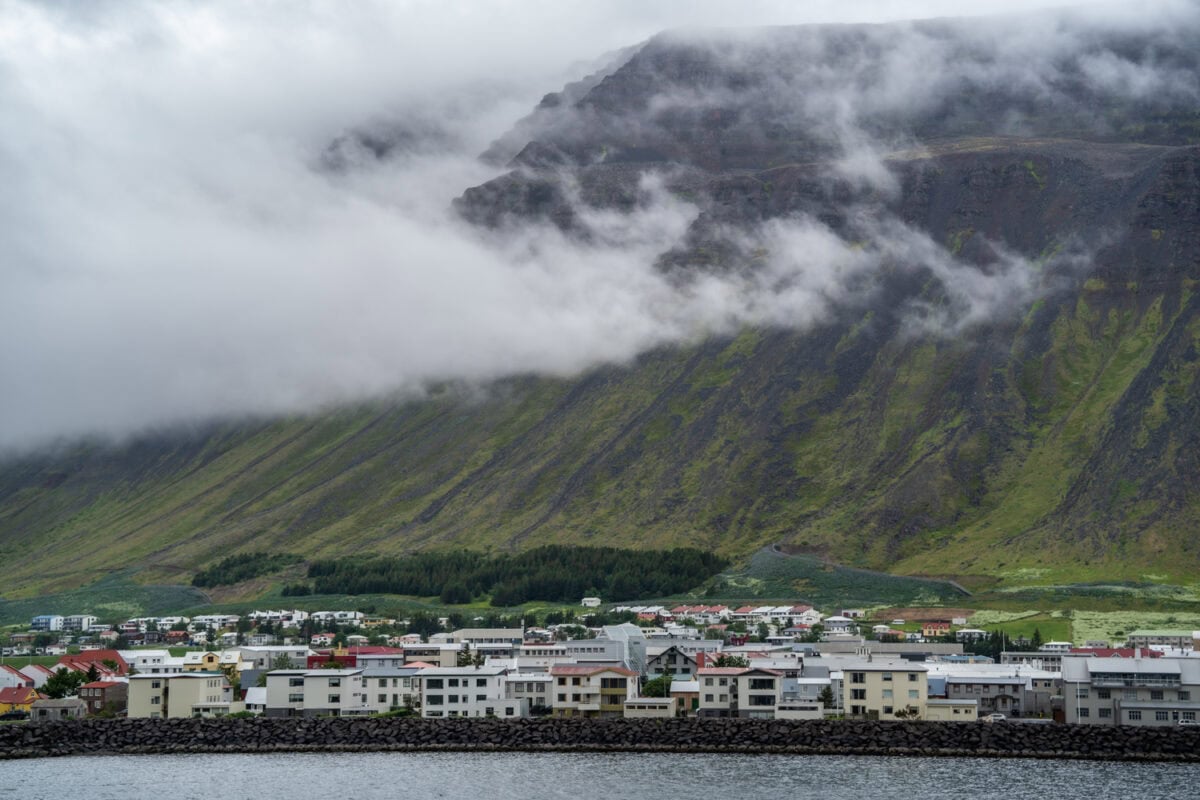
pixel 986 238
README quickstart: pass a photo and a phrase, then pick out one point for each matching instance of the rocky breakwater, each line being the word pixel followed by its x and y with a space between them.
pixel 250 735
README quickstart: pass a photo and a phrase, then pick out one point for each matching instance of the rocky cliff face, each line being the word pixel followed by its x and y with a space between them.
pixel 993 374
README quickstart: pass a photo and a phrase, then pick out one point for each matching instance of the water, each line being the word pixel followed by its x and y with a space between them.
pixel 608 776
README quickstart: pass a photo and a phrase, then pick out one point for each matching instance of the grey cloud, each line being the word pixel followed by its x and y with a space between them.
pixel 176 246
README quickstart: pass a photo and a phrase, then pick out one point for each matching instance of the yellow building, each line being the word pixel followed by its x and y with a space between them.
pixel 186 694
pixel 583 691
pixel 878 689
pixel 17 698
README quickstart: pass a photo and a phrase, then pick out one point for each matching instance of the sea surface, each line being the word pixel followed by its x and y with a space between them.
pixel 607 776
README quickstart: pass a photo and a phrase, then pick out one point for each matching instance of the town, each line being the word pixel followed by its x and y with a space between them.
pixel 784 662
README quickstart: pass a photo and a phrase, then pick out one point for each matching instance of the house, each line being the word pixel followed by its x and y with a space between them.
pixel 110 696
pixel 468 692
pixel 17 698
pixel 285 693
pixel 45 709
pixel 878 689
pixel 11 676
pixel 838 624
pixel 970 635
pixel 256 700
pixel 37 673
pixel 106 661
pixel 591 691
pixel 671 660
pixel 532 687
pixel 935 628
pixel 186 694
pixel 590 602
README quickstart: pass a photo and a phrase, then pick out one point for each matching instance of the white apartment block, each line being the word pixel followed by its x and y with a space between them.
pixel 467 692
pixel 187 694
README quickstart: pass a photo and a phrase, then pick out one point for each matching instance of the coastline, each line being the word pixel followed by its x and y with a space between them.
pixel 740 736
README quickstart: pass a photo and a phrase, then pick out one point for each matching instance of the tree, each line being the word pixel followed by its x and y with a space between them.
pixel 93 674
pixel 63 683
pixel 657 687
pixel 731 661
pixel 1036 641
pixel 463 657
pixel 282 661
pixel 826 697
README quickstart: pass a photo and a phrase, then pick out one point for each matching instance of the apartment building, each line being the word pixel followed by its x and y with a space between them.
pixel 468 692
pixel 591 691
pixel 878 689
pixel 1131 691
pixel 186 694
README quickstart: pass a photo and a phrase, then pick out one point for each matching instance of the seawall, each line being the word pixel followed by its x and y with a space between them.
pixel 268 735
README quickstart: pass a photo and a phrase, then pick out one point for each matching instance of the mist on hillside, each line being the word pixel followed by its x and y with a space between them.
pixel 214 210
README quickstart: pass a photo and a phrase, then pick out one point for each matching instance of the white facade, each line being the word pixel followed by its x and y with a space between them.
pixel 467 692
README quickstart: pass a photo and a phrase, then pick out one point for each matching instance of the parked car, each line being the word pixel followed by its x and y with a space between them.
pixel 15 715
pixel 993 718
pixel 1189 722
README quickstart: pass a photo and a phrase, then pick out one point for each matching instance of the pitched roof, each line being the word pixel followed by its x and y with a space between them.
pixel 722 670
pixel 17 695
pixel 579 669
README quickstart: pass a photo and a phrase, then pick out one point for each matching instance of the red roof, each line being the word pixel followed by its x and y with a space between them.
pixel 81 661
pixel 100 684
pixel 17 695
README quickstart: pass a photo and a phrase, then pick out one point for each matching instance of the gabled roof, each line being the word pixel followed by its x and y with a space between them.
pixel 579 669
pixel 18 695
pixel 722 670
pixel 102 684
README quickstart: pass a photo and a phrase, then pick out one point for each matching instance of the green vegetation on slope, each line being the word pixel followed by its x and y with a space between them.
pixel 549 573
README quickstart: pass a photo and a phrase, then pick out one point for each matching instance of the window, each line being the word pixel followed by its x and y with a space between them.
pixel 335 682
pixel 1135 716
pixel 888 710
pixel 574 698
pixel 1103 694
pixel 724 698
pixel 708 681
pixel 762 684
pixel 481 681
pixel 509 711
pixel 334 699
pixel 858 694
pixel 481 697
pixel 296 697
pixel 1085 712
pixel 295 682
pixel 887 676
pixel 708 698
pixel 1184 694
pixel 1190 715
pixel 575 681
pixel 762 700
pixel 562 698
pixel 1129 694
pixel 858 677
pixel 156 700
pixel 452 698
pixel 434 683
pixel 912 677
pixel 887 694
pixel 155 684
pixel 490 711
pixel 1081 692
pixel 1105 713
pixel 723 682
pixel 914 694
pixel 383 683
pixel 434 700
pixel 1161 716
pixel 453 682
pixel 562 681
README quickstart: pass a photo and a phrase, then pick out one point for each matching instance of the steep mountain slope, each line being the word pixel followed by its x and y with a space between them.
pixel 1008 391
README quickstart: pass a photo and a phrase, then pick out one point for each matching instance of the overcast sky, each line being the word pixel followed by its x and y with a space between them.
pixel 171 250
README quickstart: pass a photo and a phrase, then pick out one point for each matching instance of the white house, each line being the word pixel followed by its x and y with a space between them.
pixel 468 692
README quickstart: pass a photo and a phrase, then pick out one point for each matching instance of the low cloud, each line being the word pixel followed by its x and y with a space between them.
pixel 188 232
